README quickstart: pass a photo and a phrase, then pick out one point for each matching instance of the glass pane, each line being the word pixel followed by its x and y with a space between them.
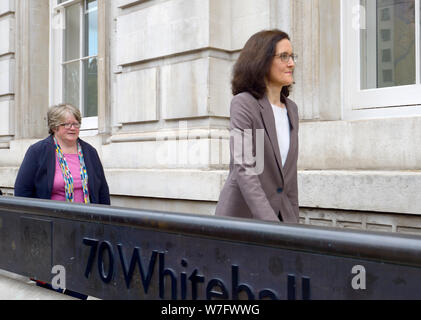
pixel 72 33
pixel 91 28
pixel 388 44
pixel 90 76
pixel 71 83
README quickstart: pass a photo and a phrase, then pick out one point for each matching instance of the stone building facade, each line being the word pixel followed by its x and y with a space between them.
pixel 153 80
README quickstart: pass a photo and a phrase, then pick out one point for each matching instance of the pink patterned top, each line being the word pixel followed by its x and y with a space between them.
pixel 58 192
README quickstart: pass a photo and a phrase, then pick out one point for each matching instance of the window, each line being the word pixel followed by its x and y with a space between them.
pixel 75 57
pixel 381 58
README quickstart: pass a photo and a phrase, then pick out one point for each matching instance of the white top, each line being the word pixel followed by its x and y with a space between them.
pixel 282 130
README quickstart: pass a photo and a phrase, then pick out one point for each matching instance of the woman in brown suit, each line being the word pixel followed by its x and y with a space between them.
pixel 262 182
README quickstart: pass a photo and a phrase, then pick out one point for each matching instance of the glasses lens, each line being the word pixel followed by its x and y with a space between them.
pixel 285 57
pixel 69 125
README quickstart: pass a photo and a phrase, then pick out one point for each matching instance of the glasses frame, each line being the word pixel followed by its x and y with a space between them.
pixel 285 57
pixel 76 125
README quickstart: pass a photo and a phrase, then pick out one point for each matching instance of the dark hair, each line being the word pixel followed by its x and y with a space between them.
pixel 254 64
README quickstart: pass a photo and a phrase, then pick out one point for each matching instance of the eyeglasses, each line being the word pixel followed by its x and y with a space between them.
pixel 76 125
pixel 285 57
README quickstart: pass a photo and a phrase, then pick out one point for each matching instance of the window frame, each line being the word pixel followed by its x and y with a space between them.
pixel 89 124
pixel 399 101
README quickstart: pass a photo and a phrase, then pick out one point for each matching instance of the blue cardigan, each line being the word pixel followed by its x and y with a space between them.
pixel 36 174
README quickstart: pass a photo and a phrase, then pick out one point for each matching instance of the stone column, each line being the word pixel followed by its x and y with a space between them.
pixel 316 39
pixel 7 68
pixel 330 60
pixel 32 63
pixel 104 87
pixel 305 40
pixel 281 14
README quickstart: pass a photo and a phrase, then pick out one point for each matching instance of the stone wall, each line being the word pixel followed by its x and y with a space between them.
pixel 360 220
pixel 171 66
pixel 164 94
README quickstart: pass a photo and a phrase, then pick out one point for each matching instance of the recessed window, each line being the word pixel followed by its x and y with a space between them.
pixel 80 55
pixel 385 14
pixel 386 55
pixel 387 76
pixel 386 35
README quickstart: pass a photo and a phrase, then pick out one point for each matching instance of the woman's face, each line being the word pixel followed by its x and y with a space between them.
pixel 281 72
pixel 68 135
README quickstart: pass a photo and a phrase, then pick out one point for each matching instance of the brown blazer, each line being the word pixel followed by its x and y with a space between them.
pixel 274 190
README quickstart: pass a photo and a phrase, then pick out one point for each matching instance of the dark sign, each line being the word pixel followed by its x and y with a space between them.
pixel 118 253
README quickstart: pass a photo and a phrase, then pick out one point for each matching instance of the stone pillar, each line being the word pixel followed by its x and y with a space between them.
pixel 305 40
pixel 281 14
pixel 316 39
pixel 7 70
pixel 104 85
pixel 330 60
pixel 32 68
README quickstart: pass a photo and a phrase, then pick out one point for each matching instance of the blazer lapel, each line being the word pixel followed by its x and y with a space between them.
pixel 51 164
pixel 270 127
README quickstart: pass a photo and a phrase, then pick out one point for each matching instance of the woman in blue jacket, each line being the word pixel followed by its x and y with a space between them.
pixel 62 166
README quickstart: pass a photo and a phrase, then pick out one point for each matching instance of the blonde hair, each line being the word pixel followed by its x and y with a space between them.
pixel 56 115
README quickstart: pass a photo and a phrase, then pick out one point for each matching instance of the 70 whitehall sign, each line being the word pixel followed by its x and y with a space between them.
pixel 182 285
pixel 118 253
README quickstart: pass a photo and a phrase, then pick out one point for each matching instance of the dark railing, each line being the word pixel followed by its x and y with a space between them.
pixel 119 253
